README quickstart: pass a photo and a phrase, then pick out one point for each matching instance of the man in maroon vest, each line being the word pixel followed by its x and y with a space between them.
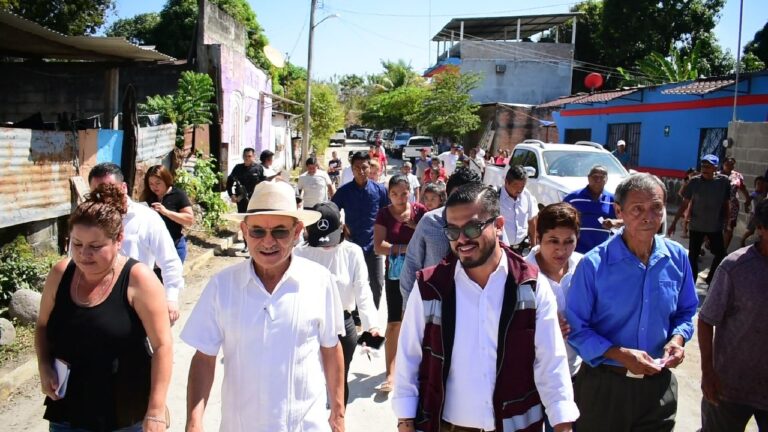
pixel 480 347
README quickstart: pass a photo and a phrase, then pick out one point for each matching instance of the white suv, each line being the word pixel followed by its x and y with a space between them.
pixel 555 170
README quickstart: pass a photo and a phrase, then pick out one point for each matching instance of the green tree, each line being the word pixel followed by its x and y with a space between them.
pixel 140 29
pixel 327 114
pixel 352 95
pixel 398 108
pixel 751 63
pixel 285 76
pixel 658 69
pixel 71 17
pixel 759 44
pixel 589 43
pixel 396 74
pixel 448 110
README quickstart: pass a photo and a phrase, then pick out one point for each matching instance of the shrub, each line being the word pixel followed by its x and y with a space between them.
pixel 201 186
pixel 21 267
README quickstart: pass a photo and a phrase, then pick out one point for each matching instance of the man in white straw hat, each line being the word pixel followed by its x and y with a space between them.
pixel 276 318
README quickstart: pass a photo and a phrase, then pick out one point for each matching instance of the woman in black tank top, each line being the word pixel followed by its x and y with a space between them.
pixel 99 314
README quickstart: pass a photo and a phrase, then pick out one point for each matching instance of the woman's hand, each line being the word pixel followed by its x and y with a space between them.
pixel 159 208
pixel 49 381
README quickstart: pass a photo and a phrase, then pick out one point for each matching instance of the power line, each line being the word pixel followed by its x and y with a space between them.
pixel 298 37
pixel 393 15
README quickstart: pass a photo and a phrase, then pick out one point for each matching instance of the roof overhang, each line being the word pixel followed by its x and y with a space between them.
pixel 502 28
pixel 22 38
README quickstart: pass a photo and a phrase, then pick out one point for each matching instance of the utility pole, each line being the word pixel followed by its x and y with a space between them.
pixel 305 139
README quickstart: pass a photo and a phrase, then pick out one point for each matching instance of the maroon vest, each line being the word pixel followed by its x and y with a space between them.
pixel 516 402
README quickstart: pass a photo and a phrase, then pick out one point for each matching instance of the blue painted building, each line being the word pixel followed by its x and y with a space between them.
pixel 666 127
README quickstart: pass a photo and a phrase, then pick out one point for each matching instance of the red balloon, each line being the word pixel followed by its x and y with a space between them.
pixel 593 81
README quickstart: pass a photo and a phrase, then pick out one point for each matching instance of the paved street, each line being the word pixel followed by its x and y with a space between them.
pixel 368 411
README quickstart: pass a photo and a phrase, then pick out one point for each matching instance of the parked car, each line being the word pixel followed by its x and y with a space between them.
pixel 398 143
pixel 339 138
pixel 414 145
pixel 360 133
pixel 555 170
pixel 371 138
pixel 385 139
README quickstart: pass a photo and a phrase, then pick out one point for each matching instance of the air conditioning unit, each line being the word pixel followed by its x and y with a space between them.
pixel 501 68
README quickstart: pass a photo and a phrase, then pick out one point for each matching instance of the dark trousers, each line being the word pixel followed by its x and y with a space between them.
pixel 716 245
pixel 610 402
pixel 730 417
pixel 348 344
pixel 375 265
pixel 242 205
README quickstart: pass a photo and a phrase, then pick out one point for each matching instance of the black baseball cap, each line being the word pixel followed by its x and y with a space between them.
pixel 326 231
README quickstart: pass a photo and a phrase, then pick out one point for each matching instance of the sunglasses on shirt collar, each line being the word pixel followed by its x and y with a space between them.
pixel 471 230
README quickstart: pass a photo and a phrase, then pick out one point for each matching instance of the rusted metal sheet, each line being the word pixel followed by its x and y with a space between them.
pixel 155 142
pixel 35 167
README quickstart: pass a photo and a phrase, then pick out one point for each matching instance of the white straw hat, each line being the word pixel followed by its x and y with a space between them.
pixel 275 198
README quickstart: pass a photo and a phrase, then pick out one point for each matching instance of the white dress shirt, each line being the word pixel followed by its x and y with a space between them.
pixel 414 185
pixel 147 240
pixel 346 263
pixel 561 291
pixel 273 372
pixel 517 213
pixel 346 176
pixel 449 162
pixel 472 376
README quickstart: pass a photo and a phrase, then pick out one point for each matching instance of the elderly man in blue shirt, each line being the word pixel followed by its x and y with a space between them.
pixel 630 309
pixel 361 200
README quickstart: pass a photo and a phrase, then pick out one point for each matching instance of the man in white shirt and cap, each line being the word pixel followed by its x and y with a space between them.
pixel 276 318
pixel 519 208
pixel 145 237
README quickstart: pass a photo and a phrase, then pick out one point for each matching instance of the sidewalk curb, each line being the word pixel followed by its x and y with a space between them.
pixel 15 378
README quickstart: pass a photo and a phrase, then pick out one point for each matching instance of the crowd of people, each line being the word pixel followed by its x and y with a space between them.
pixel 502 314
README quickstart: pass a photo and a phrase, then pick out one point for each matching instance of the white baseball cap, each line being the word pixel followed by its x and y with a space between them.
pixel 621 143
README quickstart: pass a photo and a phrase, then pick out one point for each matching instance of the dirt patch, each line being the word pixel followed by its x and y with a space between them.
pixel 21 350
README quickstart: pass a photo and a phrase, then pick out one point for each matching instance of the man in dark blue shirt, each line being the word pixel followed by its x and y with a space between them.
pixel 595 206
pixel 630 309
pixel 361 200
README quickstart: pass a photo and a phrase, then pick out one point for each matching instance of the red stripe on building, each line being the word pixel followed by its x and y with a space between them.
pixel 669 106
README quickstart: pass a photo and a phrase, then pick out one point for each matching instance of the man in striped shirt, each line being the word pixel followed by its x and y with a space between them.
pixel 595 206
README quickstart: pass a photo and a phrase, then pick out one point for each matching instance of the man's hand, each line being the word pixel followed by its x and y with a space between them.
pixel 638 362
pixel 674 353
pixel 710 387
pixel 563 427
pixel 374 331
pixel 406 425
pixel 234 198
pixel 173 311
pixel 565 328
pixel 336 420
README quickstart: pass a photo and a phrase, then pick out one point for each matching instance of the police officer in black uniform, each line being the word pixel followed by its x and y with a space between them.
pixel 244 177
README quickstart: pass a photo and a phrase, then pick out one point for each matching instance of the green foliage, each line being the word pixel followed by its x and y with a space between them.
pixel 201 186
pixel 285 77
pixel 448 110
pixel 751 63
pixel 71 17
pixel 176 28
pixel 658 69
pixel 352 95
pixel 396 75
pixel 140 30
pixel 758 46
pixel 394 109
pixel 190 105
pixel 22 268
pixel 327 114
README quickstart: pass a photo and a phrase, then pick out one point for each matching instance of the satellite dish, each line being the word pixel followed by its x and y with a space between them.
pixel 274 56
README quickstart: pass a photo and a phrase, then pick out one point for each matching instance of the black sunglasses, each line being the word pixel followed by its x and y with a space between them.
pixel 277 233
pixel 471 230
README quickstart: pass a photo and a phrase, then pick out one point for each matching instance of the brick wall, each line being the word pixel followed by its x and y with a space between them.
pixel 750 149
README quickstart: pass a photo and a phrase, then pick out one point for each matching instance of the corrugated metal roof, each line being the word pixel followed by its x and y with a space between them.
pixel 35 167
pixel 700 87
pixel 501 28
pixel 155 142
pixel 20 37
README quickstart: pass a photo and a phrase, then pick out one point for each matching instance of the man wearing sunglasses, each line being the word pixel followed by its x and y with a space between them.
pixel 276 309
pixel 480 347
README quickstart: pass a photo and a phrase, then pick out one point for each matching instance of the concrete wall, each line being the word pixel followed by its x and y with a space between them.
pixel 535 72
pixel 686 116
pixel 52 88
pixel 750 149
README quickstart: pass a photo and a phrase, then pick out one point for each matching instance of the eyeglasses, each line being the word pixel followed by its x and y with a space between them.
pixel 277 233
pixel 471 230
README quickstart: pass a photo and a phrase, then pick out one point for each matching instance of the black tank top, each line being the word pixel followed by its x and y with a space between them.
pixel 105 347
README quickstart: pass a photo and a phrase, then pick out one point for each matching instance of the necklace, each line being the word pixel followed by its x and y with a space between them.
pixel 101 288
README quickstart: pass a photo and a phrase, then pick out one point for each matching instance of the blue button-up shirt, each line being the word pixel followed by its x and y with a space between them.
pixel 592 232
pixel 361 205
pixel 617 301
